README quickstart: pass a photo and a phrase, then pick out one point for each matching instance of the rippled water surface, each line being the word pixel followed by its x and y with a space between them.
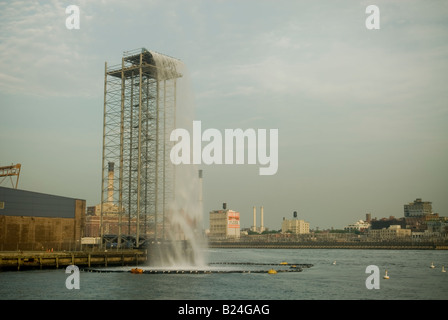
pixel 411 278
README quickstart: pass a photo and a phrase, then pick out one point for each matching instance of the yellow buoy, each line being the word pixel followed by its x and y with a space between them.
pixel 272 271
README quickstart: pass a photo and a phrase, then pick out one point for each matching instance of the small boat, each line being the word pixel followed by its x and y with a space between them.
pixel 443 269
pixel 272 271
pixel 283 263
pixel 432 265
pixel 334 262
pixel 136 270
pixel 386 276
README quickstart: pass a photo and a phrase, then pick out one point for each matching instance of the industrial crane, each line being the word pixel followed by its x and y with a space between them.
pixel 10 171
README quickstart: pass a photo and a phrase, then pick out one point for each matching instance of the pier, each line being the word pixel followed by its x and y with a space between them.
pixel 18 260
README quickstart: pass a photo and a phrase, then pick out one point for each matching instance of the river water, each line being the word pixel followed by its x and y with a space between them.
pixel 411 278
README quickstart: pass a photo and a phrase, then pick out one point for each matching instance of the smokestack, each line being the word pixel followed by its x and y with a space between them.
pixel 254 226
pixel 295 214
pixel 261 217
pixel 224 206
pixel 110 186
pixel 368 217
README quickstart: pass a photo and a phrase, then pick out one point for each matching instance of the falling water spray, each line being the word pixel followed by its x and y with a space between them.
pixel 182 244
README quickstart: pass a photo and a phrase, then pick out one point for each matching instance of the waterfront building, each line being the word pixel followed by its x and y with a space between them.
pixel 110 221
pixel 418 208
pixel 394 232
pixel 438 226
pixel 387 222
pixel 295 226
pixel 359 225
pixel 224 224
pixel 36 221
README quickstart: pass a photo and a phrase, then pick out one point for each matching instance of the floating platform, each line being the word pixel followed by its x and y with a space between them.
pixel 284 267
pixel 156 271
pixel 300 265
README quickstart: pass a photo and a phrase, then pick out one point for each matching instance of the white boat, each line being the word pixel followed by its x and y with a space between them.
pixel 432 265
pixel 386 276
pixel 443 269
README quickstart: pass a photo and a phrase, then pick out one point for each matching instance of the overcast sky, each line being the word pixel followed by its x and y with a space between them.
pixel 362 114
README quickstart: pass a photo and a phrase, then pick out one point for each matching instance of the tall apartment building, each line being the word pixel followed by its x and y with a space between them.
pixel 224 224
pixel 418 208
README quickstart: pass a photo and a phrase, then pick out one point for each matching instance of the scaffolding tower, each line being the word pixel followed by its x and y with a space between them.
pixel 139 114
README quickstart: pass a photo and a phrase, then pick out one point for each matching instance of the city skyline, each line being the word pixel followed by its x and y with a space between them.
pixel 294 215
pixel 361 114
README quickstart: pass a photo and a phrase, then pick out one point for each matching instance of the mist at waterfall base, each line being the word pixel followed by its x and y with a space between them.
pixel 183 244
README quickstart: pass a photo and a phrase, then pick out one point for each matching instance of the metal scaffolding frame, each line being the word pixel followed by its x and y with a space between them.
pixel 139 115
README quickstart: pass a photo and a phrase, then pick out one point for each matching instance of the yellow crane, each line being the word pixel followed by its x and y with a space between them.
pixel 10 171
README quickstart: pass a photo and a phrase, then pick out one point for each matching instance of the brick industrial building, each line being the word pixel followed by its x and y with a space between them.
pixel 224 224
pixel 37 221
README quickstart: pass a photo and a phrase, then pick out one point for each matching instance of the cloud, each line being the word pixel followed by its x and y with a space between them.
pixel 38 49
pixel 335 90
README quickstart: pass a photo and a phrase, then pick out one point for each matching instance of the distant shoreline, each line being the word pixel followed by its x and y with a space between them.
pixel 329 245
